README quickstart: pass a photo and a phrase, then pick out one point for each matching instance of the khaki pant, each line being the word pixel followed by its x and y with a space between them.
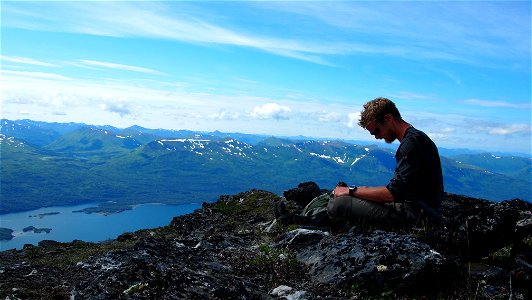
pixel 347 207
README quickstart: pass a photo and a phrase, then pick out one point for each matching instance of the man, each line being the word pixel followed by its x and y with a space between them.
pixel 414 193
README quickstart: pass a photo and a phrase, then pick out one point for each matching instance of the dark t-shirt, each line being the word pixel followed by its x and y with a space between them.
pixel 418 180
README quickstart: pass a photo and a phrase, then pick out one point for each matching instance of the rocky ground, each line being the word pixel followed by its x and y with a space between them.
pixel 236 249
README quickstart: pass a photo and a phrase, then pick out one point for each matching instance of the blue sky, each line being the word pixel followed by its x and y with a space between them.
pixel 460 71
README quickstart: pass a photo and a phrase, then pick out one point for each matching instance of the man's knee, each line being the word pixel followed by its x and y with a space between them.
pixel 339 207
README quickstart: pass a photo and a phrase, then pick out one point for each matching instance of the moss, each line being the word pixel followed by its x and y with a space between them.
pixel 418 232
pixel 225 208
pixel 278 264
pixel 64 254
pixel 135 289
pixel 264 248
pixel 502 255
pixel 254 203
pixel 358 291
pixel 264 259
pixel 262 263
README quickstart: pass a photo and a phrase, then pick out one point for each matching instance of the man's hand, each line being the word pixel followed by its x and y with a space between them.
pixel 341 191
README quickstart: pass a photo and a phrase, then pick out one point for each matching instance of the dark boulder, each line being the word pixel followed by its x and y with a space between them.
pixel 303 193
pixel 375 262
pixel 474 228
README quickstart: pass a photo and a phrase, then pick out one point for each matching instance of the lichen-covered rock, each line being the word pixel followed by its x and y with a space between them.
pixel 379 260
pixel 234 249
pixel 158 268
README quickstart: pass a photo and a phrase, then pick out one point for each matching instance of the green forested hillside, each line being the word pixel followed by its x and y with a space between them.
pixel 32 177
pixel 512 166
pixel 136 166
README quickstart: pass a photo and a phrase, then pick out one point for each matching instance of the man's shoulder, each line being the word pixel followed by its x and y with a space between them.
pixel 415 138
pixel 413 134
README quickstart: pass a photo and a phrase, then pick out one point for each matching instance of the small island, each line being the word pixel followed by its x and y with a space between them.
pixel 6 234
pixel 45 214
pixel 37 230
pixel 106 209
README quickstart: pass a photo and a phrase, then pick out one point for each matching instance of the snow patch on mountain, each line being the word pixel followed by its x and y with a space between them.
pixel 10 141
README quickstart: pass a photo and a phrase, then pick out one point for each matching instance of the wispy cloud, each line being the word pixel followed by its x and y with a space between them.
pixel 509 129
pixel 450 75
pixel 411 96
pixel 491 128
pixel 26 60
pixel 502 104
pixel 456 34
pixel 224 115
pixel 120 66
pixel 151 20
pixel 39 75
pixel 425 29
pixel 330 117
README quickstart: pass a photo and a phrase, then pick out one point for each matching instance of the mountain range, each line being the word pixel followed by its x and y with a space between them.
pixel 47 164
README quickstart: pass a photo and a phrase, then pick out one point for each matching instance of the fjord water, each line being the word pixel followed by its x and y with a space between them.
pixel 68 225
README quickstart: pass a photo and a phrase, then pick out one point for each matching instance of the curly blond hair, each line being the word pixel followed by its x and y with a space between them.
pixel 376 109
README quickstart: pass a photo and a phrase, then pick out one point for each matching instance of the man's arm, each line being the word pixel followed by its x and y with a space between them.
pixel 379 194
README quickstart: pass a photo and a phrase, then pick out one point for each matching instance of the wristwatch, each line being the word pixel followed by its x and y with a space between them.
pixel 352 190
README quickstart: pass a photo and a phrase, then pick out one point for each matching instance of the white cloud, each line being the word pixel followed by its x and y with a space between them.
pixel 466 30
pixel 271 111
pixel 330 117
pixel 121 108
pixel 490 103
pixel 509 129
pixel 448 130
pixel 120 66
pixel 224 115
pixel 152 20
pixel 26 112
pixel 410 96
pixel 26 60
pixel 39 75
pixel 462 34
pixel 436 135
pixel 353 119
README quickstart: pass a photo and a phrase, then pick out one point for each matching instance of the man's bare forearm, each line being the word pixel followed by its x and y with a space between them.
pixel 379 194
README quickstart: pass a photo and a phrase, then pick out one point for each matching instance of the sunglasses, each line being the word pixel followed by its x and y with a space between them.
pixel 376 130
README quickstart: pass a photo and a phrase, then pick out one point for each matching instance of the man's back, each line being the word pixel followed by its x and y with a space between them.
pixel 418 180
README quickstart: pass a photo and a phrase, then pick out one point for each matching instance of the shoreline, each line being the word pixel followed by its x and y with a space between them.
pixel 68 226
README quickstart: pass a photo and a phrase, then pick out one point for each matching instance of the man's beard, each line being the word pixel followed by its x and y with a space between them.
pixel 390 139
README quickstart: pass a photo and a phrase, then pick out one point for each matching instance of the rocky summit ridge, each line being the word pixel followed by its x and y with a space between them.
pixel 235 248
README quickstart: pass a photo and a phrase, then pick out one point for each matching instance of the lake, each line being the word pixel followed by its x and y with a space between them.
pixel 68 226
